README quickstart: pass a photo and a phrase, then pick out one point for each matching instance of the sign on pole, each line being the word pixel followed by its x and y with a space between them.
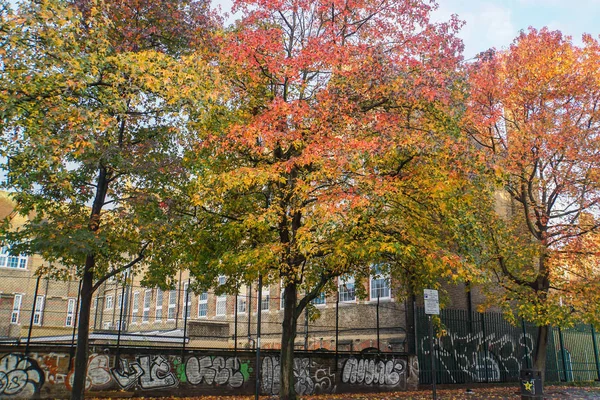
pixel 432 302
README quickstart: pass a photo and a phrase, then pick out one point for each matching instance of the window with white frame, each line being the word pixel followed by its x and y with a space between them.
pixel 380 284
pixel 187 300
pixel 119 301
pixel 16 309
pixel 203 305
pixel 38 310
pixel 319 300
pixel 9 261
pixel 106 325
pixel 70 321
pixel 147 301
pixel 265 299
pixel 109 302
pixel 241 300
pixel 281 293
pixel 159 303
pixel 135 307
pixel 346 289
pixel 221 306
pixel 172 305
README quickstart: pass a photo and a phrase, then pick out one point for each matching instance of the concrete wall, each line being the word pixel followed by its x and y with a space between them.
pixel 140 372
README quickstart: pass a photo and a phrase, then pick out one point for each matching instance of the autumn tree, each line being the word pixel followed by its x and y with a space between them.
pixel 92 111
pixel 321 90
pixel 534 116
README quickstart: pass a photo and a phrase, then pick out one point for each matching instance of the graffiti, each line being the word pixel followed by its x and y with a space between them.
pixel 479 358
pixel 20 376
pixel 98 373
pixel 217 370
pixel 54 366
pixel 412 382
pixel 126 375
pixel 148 372
pixel 375 372
pixel 309 378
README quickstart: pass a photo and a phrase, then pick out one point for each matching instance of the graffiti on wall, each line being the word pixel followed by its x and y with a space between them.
pixel 479 358
pixel 370 371
pixel 23 377
pixel 309 377
pixel 20 376
pixel 217 371
pixel 148 372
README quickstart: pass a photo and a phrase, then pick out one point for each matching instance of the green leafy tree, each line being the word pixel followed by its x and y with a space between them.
pixel 91 132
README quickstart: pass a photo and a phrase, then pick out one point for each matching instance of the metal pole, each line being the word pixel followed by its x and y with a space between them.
pixel 185 320
pixel 257 387
pixel 377 316
pixel 525 344
pixel 76 312
pixel 235 323
pixel 433 373
pixel 337 327
pixel 118 355
pixel 249 313
pixel 306 329
pixel 562 353
pixel 415 328
pixel 37 286
pixel 487 378
pixel 595 351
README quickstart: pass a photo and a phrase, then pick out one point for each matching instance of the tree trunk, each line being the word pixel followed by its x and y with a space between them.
pixel 539 361
pixel 288 337
pixel 83 328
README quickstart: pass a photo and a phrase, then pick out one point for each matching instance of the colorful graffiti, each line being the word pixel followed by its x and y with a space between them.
pixel 217 371
pixel 48 374
pixel 20 376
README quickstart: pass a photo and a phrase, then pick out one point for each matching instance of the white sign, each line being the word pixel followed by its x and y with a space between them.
pixel 432 301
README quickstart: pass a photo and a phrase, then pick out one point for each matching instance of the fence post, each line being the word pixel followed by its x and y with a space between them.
pixel 337 326
pixel 259 308
pixel 249 313
pixel 485 344
pixel 76 312
pixel 37 286
pixel 377 316
pixel 235 323
pixel 185 320
pixel 524 343
pixel 595 351
pixel 562 353
pixel 305 328
pixel 118 355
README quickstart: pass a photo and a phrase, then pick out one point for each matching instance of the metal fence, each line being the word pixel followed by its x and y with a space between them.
pixel 36 311
pixel 484 347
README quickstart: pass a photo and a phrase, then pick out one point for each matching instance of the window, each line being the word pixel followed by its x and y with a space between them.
pixel 187 301
pixel 109 302
pixel 265 298
pixel 16 310
pixel 38 310
pixel 203 305
pixel 71 312
pixel 119 301
pixel 135 307
pixel 319 300
pixel 346 289
pixel 172 304
pixel 146 311
pixel 380 287
pixel 159 301
pixel 10 261
pixel 281 294
pixel 221 306
pixel 241 304
pixel 106 325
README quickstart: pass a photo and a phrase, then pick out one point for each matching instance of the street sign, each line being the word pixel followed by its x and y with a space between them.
pixel 432 302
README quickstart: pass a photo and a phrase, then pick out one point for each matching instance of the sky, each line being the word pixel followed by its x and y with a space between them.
pixel 495 23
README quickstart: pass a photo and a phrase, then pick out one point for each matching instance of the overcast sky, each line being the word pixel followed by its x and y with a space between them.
pixel 495 23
